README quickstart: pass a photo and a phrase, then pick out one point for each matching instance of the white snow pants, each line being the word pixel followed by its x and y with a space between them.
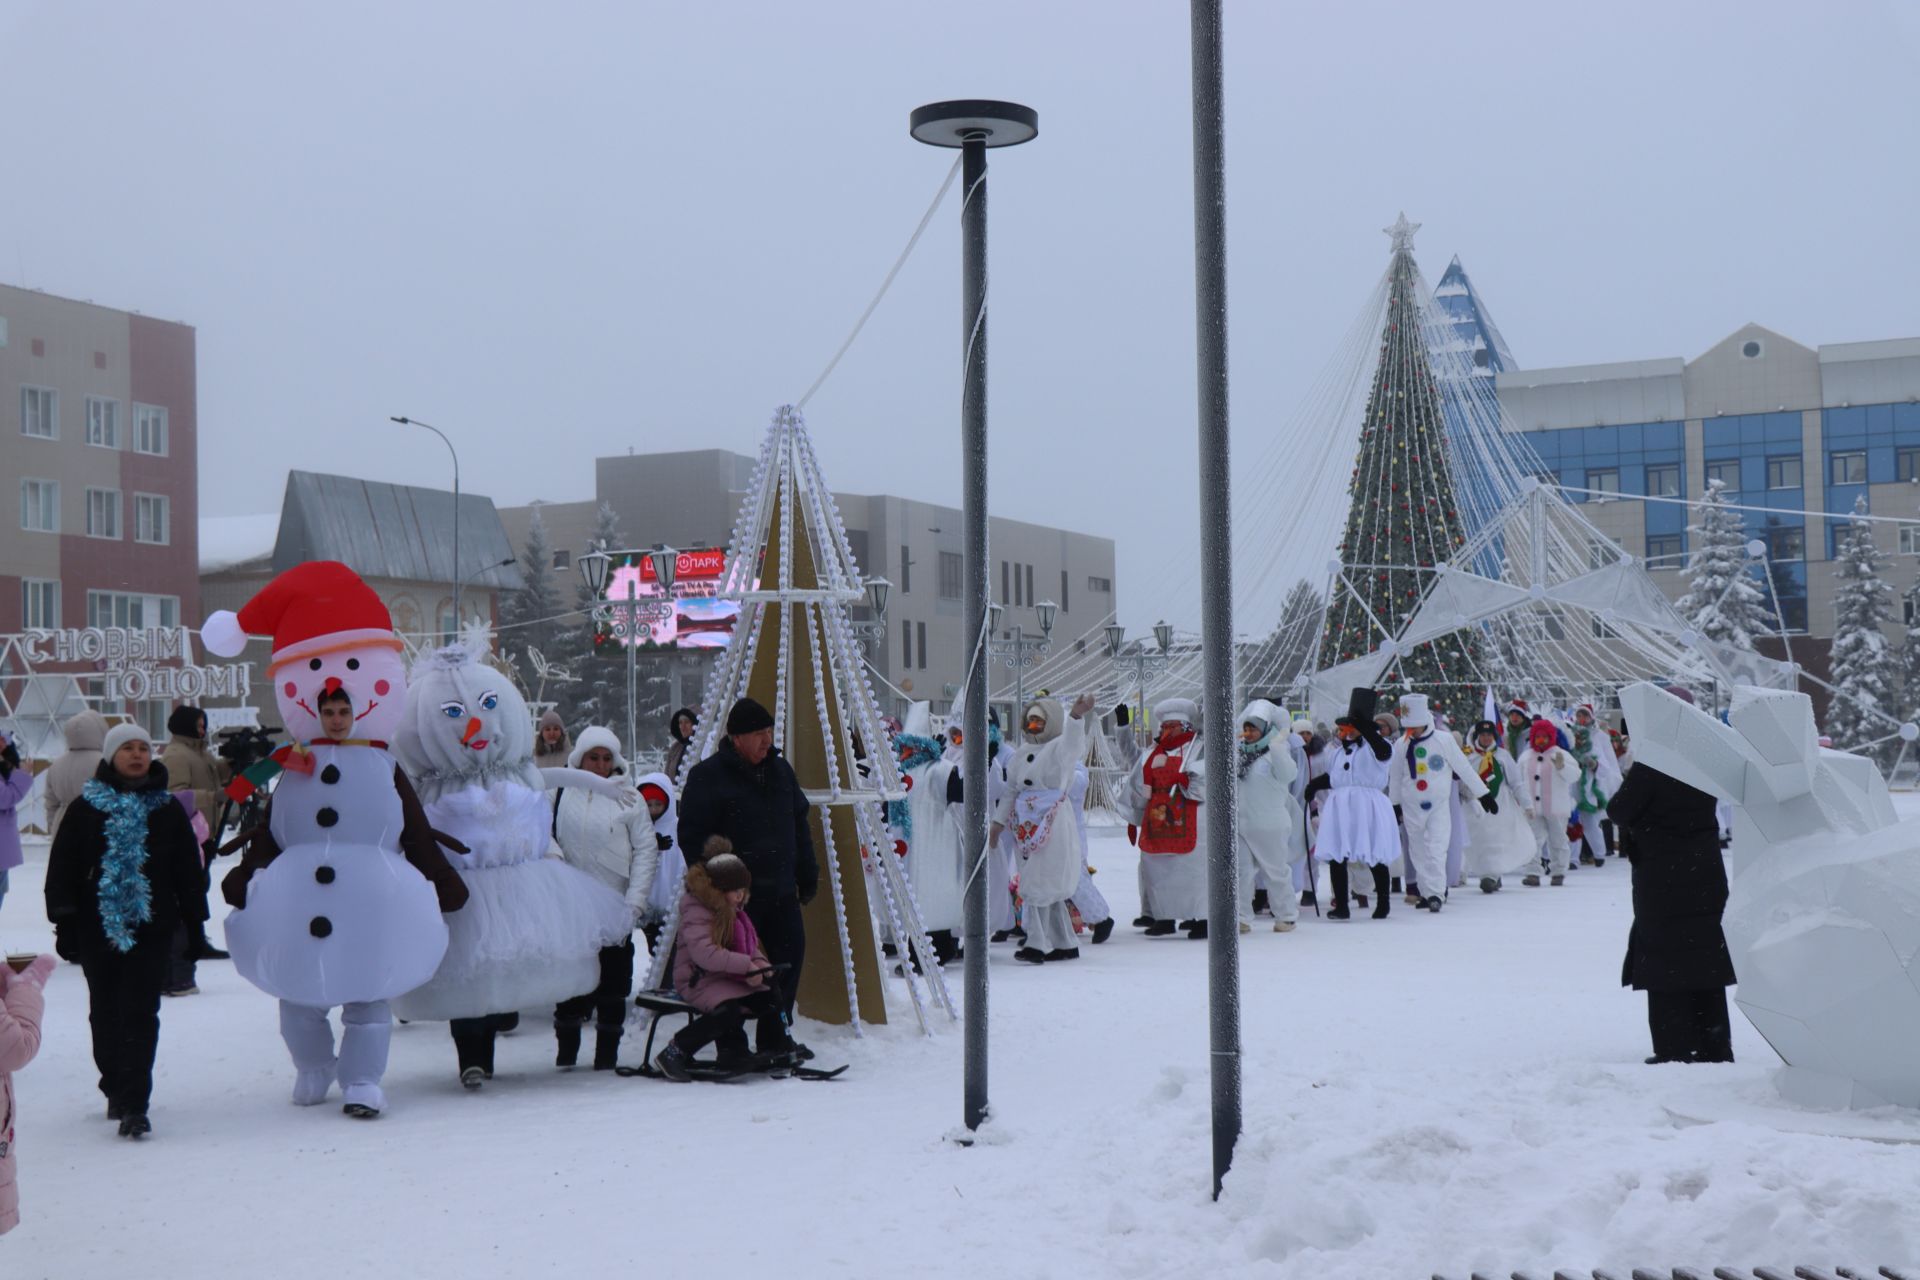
pixel 1552 832
pixel 999 876
pixel 1049 927
pixel 1429 831
pixel 365 1030
pixel 1284 902
pixel 1092 904
pixel 1592 836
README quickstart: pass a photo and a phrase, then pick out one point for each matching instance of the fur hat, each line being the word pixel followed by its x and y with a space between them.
pixel 1185 710
pixel 185 721
pixel 1393 723
pixel 120 735
pixel 726 872
pixel 748 716
pixel 1484 726
pixel 597 736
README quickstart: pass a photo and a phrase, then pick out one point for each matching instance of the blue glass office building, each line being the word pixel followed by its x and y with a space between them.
pixel 1788 429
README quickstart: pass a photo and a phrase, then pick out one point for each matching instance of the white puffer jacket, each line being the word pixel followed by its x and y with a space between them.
pixel 615 846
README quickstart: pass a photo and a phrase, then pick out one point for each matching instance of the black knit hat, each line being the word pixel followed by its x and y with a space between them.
pixel 748 716
pixel 185 721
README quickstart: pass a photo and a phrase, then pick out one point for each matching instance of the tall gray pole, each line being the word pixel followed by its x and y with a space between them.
pixel 633 650
pixel 974 126
pixel 1216 582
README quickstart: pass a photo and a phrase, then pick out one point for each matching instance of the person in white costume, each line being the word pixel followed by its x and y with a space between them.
pixel 1498 844
pixel 1164 795
pixel 1269 817
pixel 1548 773
pixel 531 933
pixel 616 845
pixel 929 821
pixel 656 792
pixel 1425 771
pixel 1311 754
pixel 1087 901
pixel 1356 819
pixel 338 899
pixel 1037 811
pixel 1600 780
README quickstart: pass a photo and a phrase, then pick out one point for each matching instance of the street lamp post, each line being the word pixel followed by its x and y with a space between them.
pixel 1117 644
pixel 1021 652
pixel 455 575
pixel 974 126
pixel 874 630
pixel 595 568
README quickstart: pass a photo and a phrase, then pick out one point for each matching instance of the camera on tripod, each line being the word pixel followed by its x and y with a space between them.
pixel 245 747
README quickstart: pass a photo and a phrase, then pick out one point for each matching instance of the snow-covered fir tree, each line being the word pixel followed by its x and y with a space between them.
pixel 1723 601
pixel 600 695
pixel 529 617
pixel 1866 676
pixel 1910 649
pixel 1290 647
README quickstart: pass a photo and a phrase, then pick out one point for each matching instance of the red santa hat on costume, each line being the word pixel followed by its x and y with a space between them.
pixel 313 608
pixel 1520 705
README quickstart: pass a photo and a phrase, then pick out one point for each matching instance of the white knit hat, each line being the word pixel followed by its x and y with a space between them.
pixel 120 735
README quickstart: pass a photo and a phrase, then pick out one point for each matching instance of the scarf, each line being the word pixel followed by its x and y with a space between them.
pixel 1249 752
pixel 915 752
pixel 126 898
pixel 1491 771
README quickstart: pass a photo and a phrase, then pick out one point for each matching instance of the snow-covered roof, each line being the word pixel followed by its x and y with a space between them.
pixel 226 541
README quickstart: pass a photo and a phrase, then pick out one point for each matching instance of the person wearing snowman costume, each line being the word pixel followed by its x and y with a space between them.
pixel 1037 811
pixel 1548 774
pixel 1356 819
pixel 1164 795
pixel 928 823
pixel 1422 784
pixel 1269 816
pixel 338 899
pixel 532 935
pixel 1600 780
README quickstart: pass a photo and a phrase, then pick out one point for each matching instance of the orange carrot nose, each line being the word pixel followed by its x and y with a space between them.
pixel 333 682
pixel 473 727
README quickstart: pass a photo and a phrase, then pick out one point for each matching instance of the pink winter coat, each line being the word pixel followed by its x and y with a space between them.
pixel 21 1007
pixel 706 975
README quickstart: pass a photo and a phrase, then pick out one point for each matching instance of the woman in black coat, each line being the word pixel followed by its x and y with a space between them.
pixel 1676 952
pixel 123 873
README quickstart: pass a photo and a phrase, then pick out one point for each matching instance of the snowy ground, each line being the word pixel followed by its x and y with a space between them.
pixel 1452 1093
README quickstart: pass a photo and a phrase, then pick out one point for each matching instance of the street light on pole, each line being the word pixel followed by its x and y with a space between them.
pixel 1021 652
pixel 874 629
pixel 596 568
pixel 455 575
pixel 1117 645
pixel 974 126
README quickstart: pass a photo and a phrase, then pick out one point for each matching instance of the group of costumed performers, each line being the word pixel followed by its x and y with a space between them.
pixel 402 867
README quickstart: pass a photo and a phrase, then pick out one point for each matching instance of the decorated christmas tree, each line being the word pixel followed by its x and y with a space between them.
pixel 1403 517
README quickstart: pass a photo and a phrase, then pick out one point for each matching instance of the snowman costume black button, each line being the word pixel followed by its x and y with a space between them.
pixel 330 774
pixel 323 874
pixel 326 817
pixel 320 926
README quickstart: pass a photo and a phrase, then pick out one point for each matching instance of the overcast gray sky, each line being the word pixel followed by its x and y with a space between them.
pixel 567 229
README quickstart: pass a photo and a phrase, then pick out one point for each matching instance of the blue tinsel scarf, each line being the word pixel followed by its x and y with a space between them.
pixel 126 899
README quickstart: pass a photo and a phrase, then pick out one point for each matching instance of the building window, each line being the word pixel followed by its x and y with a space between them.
pixel 1103 586
pixel 1663 551
pixel 1063 591
pixel 150 512
pixel 1909 610
pixel 920 630
pixel 1727 472
pixel 1783 473
pixel 1601 631
pixel 1663 482
pixel 1849 468
pixel 39 413
pixel 1910 539
pixel 1019 587
pixel 906 570
pixel 1906 465
pixel 40 506
pixel 150 429
pixel 1787 542
pixel 1602 552
pixel 449 623
pixel 1006 597
pixel 39 604
pixel 1603 483
pixel 952 569
pixel 906 643
pixel 563 559
pixel 1031 598
pixel 103 513
pixel 103 422
pixel 135 612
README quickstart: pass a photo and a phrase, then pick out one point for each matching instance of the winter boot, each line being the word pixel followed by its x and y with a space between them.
pixel 1064 953
pixel 1558 881
pixel 1433 905
pixel 673 1063
pixel 568 1035
pixel 1396 884
pixel 1196 930
pixel 1489 885
pixel 1030 955
pixel 1245 927
pixel 1383 891
pixel 1339 910
pixel 1260 905
pixel 1103 931
pixel 1307 898
pixel 363 1101
pixel 1532 882
pixel 1159 928
pixel 1337 873
pixel 134 1125
pixel 606 1047
pixel 1283 926
pixel 1414 897
pixel 1143 922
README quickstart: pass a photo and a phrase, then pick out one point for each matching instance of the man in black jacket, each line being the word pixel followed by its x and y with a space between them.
pixel 747 792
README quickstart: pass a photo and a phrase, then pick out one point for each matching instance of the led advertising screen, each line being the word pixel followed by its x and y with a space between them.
pixel 697 618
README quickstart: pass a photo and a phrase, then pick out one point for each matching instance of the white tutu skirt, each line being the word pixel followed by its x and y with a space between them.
pixel 529 936
pixel 1500 844
pixel 1356 825
pixel 1173 886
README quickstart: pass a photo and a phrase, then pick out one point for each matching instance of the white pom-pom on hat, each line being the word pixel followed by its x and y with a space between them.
pixel 222 634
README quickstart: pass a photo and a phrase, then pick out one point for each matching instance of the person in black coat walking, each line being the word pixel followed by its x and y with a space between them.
pixel 1676 952
pixel 124 872
pixel 747 792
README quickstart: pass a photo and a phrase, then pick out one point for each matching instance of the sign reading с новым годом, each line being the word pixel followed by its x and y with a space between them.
pixel 133 661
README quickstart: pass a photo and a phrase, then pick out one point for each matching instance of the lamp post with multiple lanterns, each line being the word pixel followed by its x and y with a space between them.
pixel 632 619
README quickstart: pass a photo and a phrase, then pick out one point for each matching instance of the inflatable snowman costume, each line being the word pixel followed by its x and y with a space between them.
pixel 532 931
pixel 338 901
pixel 935 864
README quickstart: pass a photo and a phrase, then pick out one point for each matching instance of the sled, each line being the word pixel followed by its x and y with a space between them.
pixel 663 1004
